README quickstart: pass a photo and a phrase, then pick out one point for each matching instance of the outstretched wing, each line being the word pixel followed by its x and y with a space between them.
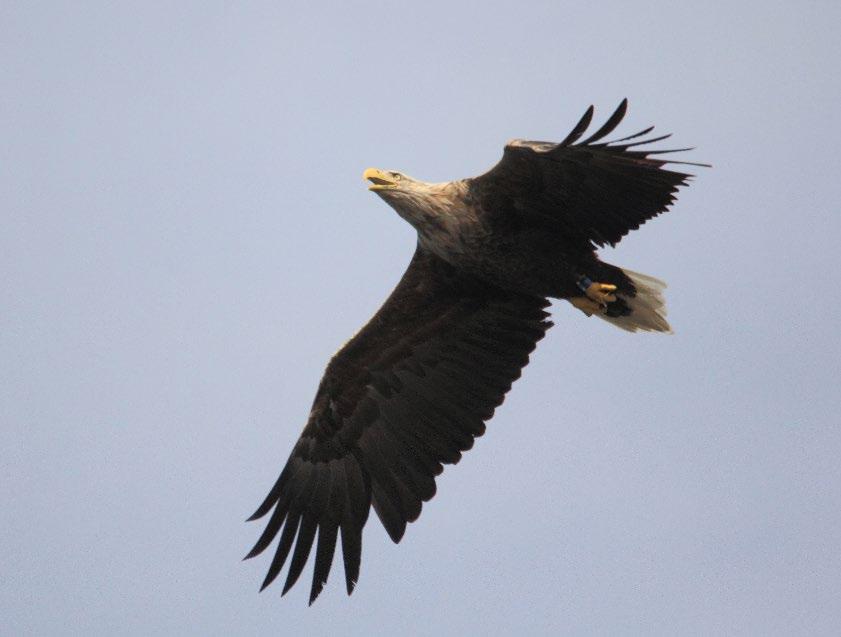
pixel 406 395
pixel 586 191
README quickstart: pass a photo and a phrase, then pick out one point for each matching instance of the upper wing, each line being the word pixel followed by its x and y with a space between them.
pixel 590 191
pixel 409 392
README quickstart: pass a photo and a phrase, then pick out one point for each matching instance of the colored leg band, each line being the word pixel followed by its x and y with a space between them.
pixel 584 283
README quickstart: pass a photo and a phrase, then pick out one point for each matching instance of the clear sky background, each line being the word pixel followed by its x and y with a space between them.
pixel 186 239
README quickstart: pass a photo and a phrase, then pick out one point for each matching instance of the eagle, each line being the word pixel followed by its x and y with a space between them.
pixel 412 390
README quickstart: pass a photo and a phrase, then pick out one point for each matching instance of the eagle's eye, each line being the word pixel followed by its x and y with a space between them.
pixel 397 176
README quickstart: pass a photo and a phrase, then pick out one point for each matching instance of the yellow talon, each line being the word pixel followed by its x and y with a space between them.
pixel 601 293
pixel 598 295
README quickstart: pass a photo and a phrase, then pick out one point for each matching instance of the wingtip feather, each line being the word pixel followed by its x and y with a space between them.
pixel 266 582
pixel 252 553
pixel 580 127
pixel 315 591
pixel 612 122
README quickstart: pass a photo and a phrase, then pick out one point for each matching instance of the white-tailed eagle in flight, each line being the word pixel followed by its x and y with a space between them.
pixel 412 390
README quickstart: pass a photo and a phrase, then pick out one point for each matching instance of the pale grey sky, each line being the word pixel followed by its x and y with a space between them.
pixel 186 239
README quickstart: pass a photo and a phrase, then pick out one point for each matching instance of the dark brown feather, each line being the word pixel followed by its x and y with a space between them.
pixel 610 124
pixel 580 127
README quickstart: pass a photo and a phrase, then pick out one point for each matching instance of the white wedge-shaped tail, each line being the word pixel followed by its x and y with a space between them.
pixel 648 307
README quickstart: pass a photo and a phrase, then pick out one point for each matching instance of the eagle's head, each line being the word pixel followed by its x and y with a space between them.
pixel 420 203
pixel 389 181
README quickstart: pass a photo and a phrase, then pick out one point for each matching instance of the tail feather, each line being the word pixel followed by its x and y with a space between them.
pixel 647 308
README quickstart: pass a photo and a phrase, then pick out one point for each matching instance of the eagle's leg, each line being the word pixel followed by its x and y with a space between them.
pixel 597 296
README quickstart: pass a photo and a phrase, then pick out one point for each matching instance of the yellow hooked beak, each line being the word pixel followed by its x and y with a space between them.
pixel 380 180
